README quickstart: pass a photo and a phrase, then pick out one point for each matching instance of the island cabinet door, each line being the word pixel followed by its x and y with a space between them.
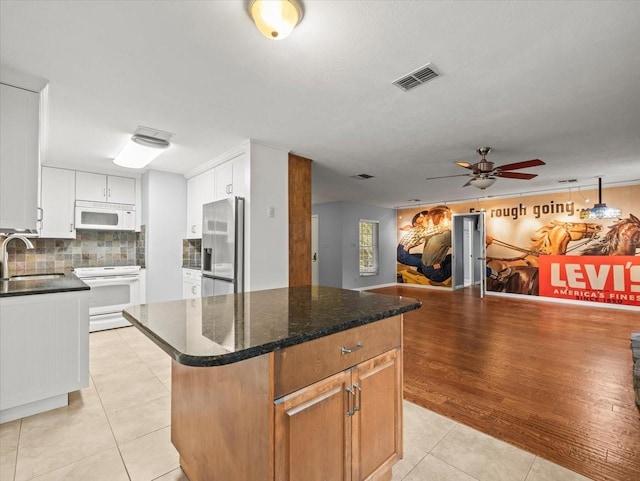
pixel 313 432
pixel 377 420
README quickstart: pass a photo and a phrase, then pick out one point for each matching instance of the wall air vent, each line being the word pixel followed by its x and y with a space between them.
pixel 362 176
pixel 567 181
pixel 416 78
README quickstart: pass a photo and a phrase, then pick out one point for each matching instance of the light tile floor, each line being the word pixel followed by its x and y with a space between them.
pixel 118 429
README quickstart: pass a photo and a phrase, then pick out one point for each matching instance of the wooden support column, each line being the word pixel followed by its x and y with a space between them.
pixel 299 221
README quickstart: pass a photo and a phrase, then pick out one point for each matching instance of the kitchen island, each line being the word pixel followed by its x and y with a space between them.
pixel 301 383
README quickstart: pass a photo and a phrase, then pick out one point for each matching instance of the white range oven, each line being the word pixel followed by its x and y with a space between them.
pixel 112 290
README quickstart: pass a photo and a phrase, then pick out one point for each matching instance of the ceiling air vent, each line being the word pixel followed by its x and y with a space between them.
pixel 362 176
pixel 417 77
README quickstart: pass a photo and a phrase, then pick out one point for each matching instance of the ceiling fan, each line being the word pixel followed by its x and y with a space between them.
pixel 485 173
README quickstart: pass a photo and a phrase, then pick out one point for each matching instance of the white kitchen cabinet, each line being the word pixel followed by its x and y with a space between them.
pixel 191 283
pixel 19 158
pixel 57 196
pixel 105 188
pixel 44 351
pixel 200 191
pixel 230 178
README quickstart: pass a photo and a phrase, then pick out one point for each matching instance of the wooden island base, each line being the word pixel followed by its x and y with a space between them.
pixel 310 411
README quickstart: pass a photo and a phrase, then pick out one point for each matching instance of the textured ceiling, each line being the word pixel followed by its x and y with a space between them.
pixel 555 80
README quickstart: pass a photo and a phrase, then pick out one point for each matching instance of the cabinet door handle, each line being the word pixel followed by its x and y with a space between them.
pixel 357 403
pixel 350 395
pixel 40 218
pixel 109 190
pixel 193 290
pixel 344 350
pixel 104 192
pixel 193 229
pixel 70 227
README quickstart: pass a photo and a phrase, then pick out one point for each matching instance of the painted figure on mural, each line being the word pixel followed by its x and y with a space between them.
pixel 424 226
pixel 436 259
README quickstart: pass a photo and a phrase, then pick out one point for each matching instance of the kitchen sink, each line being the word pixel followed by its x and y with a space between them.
pixel 36 277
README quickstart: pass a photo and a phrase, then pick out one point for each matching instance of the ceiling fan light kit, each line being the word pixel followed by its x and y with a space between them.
pixel 482 182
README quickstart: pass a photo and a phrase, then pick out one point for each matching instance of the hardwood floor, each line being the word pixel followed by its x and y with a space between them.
pixel 553 379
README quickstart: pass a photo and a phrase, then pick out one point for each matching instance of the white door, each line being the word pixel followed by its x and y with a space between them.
pixel 467 252
pixel 314 250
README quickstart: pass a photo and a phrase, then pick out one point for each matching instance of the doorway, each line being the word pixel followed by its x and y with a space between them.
pixel 314 250
pixel 469 262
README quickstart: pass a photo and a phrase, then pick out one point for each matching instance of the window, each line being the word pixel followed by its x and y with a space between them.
pixel 368 247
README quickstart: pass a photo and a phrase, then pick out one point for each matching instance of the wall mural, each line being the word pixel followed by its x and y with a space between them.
pixel 536 245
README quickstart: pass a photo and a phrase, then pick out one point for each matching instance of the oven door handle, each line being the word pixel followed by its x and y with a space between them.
pixel 111 279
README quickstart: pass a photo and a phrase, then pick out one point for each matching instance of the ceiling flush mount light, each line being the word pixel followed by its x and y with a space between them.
pixel 145 145
pixel 600 210
pixel 275 19
pixel 482 182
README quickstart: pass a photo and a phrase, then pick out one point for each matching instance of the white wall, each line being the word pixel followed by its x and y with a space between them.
pixel 338 257
pixel 164 208
pixel 267 237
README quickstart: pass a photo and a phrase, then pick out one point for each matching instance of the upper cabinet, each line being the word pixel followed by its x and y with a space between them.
pixel 57 203
pixel 19 158
pixel 230 178
pixel 200 191
pixel 105 188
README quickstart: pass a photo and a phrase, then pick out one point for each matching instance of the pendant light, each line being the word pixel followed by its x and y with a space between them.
pixel 600 210
pixel 275 19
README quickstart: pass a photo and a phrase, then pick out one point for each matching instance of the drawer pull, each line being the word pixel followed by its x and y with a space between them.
pixel 344 350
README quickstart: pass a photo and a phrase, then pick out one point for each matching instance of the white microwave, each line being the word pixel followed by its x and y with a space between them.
pixel 105 216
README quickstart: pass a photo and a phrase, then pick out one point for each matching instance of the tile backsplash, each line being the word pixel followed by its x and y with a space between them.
pixel 191 255
pixel 89 249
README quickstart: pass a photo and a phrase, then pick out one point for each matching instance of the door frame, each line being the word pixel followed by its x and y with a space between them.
pixel 477 251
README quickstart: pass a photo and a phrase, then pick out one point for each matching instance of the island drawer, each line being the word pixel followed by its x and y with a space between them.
pixel 303 364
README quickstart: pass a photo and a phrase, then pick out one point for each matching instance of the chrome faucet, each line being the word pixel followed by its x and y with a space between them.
pixel 4 268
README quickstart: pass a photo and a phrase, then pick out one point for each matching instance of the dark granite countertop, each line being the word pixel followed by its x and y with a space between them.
pixel 68 282
pixel 219 330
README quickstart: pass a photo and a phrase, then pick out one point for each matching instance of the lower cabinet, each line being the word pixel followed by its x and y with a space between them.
pixel 346 427
pixel 44 351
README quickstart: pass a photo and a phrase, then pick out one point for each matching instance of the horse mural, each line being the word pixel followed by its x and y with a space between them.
pixel 554 237
pixel 623 239
pixel 519 275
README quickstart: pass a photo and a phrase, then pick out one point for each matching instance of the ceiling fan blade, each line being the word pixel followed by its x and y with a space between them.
pixel 447 176
pixel 468 183
pixel 521 165
pixel 516 175
pixel 466 165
